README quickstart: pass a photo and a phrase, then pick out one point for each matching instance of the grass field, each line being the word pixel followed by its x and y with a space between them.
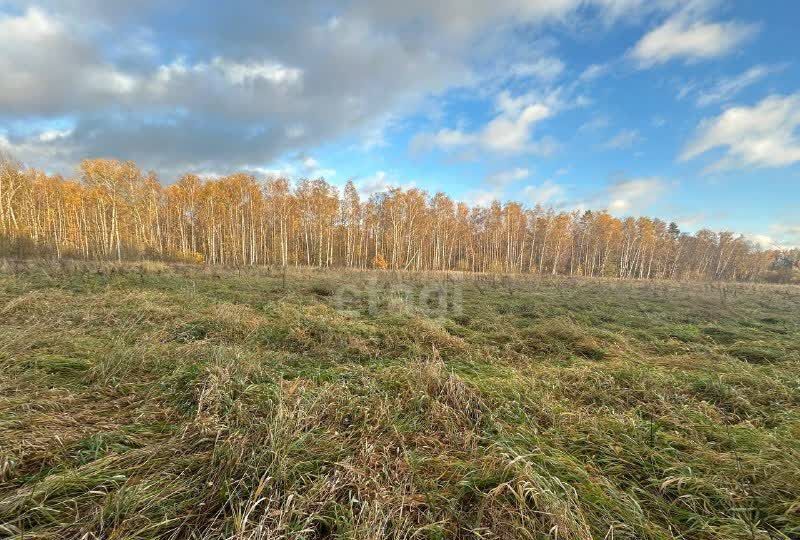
pixel 178 402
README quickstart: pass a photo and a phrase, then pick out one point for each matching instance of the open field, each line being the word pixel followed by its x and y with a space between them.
pixel 177 402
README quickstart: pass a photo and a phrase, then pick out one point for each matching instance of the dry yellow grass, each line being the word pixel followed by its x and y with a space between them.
pixel 181 402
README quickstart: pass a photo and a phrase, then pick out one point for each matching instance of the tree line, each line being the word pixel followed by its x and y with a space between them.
pixel 114 211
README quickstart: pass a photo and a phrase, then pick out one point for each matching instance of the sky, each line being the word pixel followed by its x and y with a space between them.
pixel 685 110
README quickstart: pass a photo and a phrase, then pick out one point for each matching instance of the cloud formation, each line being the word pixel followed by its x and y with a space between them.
pixel 763 135
pixel 626 196
pixel 47 69
pixel 240 99
pixel 503 178
pixel 379 182
pixel 723 89
pixel 509 132
pixel 546 193
pixel 688 36
pixel 779 236
pixel 220 86
pixel 623 140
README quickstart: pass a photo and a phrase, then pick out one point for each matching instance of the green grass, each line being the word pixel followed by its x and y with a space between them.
pixel 177 402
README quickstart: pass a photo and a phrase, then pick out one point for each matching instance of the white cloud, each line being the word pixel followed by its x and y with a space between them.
pixel 785 235
pixel 445 138
pixel 52 146
pixel 593 72
pixel 724 89
pixel 597 123
pixel 686 36
pixel 548 192
pixel 264 80
pixel 780 236
pixel 483 197
pixel 623 140
pixel 379 182
pixel 235 109
pixel 763 241
pixel 545 69
pixel 51 135
pixel 47 68
pixel 287 171
pixel 759 136
pixel 691 221
pixel 375 134
pixel 251 72
pixel 504 178
pixel 495 186
pixel 311 168
pixel 299 167
pixel 510 132
pixel 633 195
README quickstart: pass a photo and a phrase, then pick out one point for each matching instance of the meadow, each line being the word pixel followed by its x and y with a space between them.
pixel 142 401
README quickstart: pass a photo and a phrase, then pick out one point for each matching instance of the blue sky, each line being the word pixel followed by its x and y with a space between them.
pixel 686 110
